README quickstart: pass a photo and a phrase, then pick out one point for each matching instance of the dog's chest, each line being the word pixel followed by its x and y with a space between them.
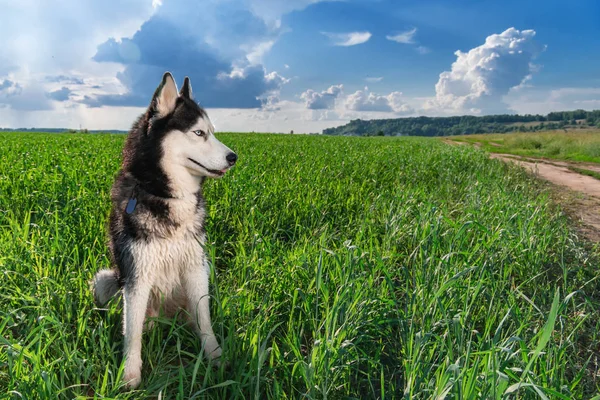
pixel 165 261
pixel 167 256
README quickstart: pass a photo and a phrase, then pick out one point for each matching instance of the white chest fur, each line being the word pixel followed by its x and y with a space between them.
pixel 163 259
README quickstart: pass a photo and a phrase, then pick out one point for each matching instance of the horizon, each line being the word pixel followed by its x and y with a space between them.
pixel 269 66
pixel 42 129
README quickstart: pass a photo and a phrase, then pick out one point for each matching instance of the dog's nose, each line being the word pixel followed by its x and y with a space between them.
pixel 231 158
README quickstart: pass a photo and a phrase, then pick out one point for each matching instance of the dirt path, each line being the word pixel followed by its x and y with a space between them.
pixel 557 173
pixel 578 194
pixel 582 199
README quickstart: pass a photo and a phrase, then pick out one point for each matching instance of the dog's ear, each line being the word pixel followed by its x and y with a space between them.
pixel 186 89
pixel 165 96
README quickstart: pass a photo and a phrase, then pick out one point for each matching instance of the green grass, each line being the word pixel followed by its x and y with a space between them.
pixel 573 145
pixel 587 172
pixel 344 268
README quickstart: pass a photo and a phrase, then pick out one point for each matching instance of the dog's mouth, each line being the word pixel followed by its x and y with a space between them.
pixel 212 171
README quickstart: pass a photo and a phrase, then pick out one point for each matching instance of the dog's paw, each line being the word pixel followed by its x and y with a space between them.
pixel 215 354
pixel 132 380
pixel 217 361
pixel 133 374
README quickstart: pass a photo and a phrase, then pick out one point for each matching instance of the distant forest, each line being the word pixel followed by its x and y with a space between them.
pixel 466 125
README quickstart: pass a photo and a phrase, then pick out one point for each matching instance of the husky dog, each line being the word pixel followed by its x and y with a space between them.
pixel 156 225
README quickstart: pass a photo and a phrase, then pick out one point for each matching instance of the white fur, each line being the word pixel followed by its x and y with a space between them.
pixel 179 147
pixel 104 285
pixel 167 97
pixel 173 266
pixel 174 270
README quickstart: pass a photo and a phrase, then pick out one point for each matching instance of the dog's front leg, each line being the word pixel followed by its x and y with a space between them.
pixel 136 302
pixel 196 287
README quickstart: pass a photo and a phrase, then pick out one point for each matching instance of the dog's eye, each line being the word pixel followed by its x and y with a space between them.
pixel 200 133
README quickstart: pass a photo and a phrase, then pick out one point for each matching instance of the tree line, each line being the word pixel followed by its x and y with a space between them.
pixel 468 124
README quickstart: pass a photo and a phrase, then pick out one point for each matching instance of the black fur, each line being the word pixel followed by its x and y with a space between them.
pixel 186 89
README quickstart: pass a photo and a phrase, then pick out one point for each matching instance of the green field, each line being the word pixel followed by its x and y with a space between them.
pixel 345 267
pixel 573 145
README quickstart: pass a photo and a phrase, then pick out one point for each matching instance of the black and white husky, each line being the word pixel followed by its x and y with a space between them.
pixel 156 233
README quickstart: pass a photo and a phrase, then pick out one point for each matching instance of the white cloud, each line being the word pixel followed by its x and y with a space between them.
pixel 23 96
pixel 324 100
pixel 406 37
pixel 44 36
pixel 271 11
pixel 480 77
pixel 65 116
pixel 258 50
pixel 530 100
pixel 365 100
pixel 288 115
pixel 423 50
pixel 333 100
pixel 575 95
pixel 348 39
pixel 374 79
pixel 46 40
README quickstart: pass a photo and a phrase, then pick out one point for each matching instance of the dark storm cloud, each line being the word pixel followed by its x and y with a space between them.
pixel 162 45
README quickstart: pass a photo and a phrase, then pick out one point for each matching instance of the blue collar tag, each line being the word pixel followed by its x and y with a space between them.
pixel 131 205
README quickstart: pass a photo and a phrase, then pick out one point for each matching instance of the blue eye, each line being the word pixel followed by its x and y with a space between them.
pixel 200 133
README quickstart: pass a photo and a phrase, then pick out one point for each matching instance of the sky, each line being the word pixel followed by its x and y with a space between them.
pixel 302 65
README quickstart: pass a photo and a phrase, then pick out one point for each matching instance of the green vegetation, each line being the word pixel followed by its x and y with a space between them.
pixel 345 268
pixel 467 125
pixel 587 172
pixel 572 145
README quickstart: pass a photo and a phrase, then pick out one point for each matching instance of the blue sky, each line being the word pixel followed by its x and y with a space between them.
pixel 275 65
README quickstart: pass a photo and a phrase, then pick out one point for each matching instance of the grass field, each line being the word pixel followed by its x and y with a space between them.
pixel 345 268
pixel 574 145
